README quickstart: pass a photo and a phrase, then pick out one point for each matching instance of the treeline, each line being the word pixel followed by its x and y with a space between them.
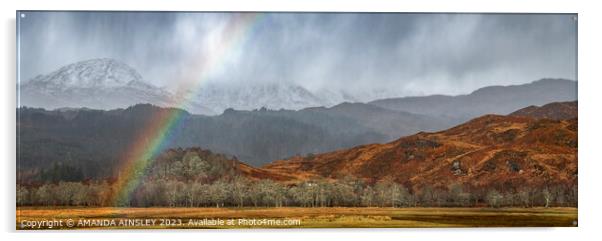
pixel 199 178
pixel 241 192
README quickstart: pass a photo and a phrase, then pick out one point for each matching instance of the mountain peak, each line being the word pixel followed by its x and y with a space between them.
pixel 250 96
pixel 95 83
pixel 92 73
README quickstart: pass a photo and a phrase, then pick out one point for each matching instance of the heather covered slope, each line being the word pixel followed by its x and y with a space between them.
pixel 503 152
pixel 554 111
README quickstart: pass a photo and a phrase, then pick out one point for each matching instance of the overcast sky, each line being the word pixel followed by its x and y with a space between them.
pixel 404 54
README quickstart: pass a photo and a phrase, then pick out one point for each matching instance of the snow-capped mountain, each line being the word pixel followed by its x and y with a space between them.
pixel 95 83
pixel 110 84
pixel 92 73
pixel 242 96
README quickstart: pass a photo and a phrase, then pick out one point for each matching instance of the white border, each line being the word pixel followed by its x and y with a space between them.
pixel 589 122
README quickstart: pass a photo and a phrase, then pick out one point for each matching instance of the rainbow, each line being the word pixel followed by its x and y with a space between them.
pixel 147 144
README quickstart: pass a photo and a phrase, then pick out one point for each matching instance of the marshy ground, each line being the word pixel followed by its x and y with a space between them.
pixel 289 217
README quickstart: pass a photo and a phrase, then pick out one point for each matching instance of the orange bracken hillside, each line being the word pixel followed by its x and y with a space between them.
pixel 491 151
pixel 555 111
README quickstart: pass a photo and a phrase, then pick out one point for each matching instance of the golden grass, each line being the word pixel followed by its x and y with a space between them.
pixel 309 217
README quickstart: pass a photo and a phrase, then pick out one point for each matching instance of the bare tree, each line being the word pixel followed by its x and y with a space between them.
pixel 573 195
pixel 399 195
pixel 494 198
pixel 192 191
pixel 23 195
pixel 367 196
pixel 175 195
pixel 427 196
pixel 383 192
pixel 270 193
pixel 548 196
pixel 525 195
pixel 81 194
pixel 67 191
pixel 195 168
pixel 322 192
pixel 342 194
pixel 561 195
pixel 457 195
pixel 240 190
pixel 255 194
pixel 300 195
pixel 218 192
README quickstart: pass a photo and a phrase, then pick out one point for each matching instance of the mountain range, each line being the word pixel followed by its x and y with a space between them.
pixel 533 147
pixel 92 111
pixel 500 100
pixel 246 96
pixel 512 153
pixel 110 84
pixel 256 137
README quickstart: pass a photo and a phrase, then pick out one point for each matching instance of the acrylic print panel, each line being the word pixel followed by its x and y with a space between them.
pixel 176 120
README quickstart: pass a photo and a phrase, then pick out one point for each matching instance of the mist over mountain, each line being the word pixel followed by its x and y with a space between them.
pixel 257 137
pixel 97 108
pixel 248 96
pixel 95 83
pixel 110 84
pixel 392 54
pixel 98 139
pixel 258 123
pixel 488 100
pixel 390 123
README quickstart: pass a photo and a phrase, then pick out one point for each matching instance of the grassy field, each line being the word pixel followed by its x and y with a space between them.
pixel 33 218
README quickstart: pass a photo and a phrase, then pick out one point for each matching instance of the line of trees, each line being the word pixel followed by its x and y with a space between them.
pixel 65 194
pixel 242 192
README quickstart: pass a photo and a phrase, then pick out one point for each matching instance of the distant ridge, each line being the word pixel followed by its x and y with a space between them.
pixel 500 100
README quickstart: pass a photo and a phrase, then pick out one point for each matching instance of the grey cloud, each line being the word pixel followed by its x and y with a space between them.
pixel 390 54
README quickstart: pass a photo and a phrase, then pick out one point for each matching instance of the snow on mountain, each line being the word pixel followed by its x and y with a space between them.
pixel 331 98
pixel 95 83
pixel 109 84
pixel 92 73
pixel 274 95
